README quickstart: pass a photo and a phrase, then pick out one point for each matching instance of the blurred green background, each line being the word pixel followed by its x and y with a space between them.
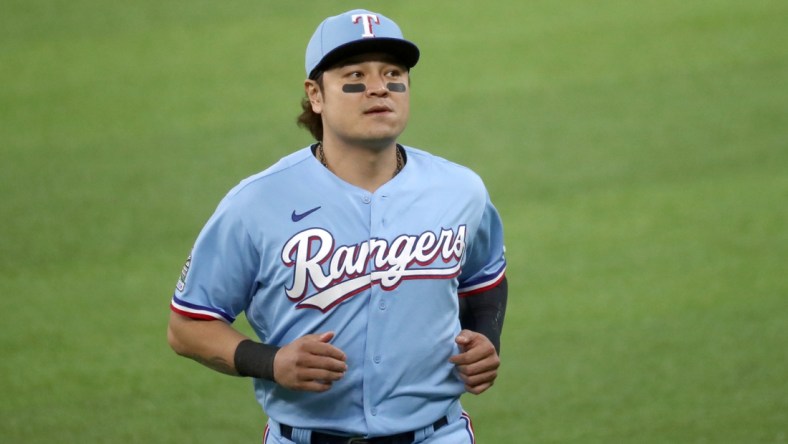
pixel 637 151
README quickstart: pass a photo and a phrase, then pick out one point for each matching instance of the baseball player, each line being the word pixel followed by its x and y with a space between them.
pixel 372 273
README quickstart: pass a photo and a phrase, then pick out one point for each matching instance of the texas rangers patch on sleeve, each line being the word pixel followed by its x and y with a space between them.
pixel 184 272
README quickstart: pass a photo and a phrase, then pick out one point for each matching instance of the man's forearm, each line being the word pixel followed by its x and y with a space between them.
pixel 211 343
pixel 484 312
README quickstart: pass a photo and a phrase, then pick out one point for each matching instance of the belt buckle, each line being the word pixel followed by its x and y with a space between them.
pixel 358 440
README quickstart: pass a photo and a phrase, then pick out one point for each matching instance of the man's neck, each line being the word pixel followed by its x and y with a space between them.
pixel 365 167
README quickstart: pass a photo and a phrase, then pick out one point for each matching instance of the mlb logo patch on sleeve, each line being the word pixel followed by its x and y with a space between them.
pixel 184 272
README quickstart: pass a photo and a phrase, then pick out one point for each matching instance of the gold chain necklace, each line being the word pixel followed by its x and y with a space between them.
pixel 321 156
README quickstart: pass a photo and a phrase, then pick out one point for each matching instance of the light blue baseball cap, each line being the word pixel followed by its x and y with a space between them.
pixel 356 32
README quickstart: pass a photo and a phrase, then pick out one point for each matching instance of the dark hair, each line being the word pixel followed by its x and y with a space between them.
pixel 309 119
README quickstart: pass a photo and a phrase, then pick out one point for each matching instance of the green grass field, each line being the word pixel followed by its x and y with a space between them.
pixel 637 151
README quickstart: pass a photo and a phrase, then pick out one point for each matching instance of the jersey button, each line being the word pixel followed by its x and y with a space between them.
pixel 366 199
pixel 373 411
pixel 377 359
pixel 382 305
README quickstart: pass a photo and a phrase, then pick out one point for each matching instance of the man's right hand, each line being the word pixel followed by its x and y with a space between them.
pixel 310 363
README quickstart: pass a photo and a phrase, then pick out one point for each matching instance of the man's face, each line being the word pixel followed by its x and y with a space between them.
pixel 365 100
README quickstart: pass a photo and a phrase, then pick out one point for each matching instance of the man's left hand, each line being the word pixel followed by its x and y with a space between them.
pixel 477 362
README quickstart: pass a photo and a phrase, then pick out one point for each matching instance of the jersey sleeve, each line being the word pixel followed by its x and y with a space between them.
pixel 485 264
pixel 217 280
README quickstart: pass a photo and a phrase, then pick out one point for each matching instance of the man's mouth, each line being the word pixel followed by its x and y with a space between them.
pixel 379 109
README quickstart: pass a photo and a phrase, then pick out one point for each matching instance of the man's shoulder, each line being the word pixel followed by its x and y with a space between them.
pixel 291 163
pixel 285 169
pixel 442 168
pixel 272 181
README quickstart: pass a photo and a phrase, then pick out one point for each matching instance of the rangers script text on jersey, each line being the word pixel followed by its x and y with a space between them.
pixel 347 273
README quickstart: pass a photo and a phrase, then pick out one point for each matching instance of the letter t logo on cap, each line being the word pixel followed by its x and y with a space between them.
pixel 367 20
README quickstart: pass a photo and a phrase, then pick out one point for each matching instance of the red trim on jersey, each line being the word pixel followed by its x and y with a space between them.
pixel 493 284
pixel 469 426
pixel 196 316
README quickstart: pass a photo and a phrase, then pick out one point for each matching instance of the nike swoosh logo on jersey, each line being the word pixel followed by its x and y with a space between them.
pixel 297 217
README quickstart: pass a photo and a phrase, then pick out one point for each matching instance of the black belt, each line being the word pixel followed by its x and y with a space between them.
pixel 325 438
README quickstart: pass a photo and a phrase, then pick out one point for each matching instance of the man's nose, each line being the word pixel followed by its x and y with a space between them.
pixel 377 86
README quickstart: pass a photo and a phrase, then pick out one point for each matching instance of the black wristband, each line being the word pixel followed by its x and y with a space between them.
pixel 255 359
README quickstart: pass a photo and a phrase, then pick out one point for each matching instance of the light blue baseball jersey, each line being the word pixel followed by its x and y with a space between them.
pixel 300 251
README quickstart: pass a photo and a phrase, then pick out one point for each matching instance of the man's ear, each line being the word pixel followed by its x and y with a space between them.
pixel 315 95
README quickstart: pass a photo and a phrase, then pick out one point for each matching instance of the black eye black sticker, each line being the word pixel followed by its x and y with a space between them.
pixel 396 87
pixel 354 88
pixel 360 87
